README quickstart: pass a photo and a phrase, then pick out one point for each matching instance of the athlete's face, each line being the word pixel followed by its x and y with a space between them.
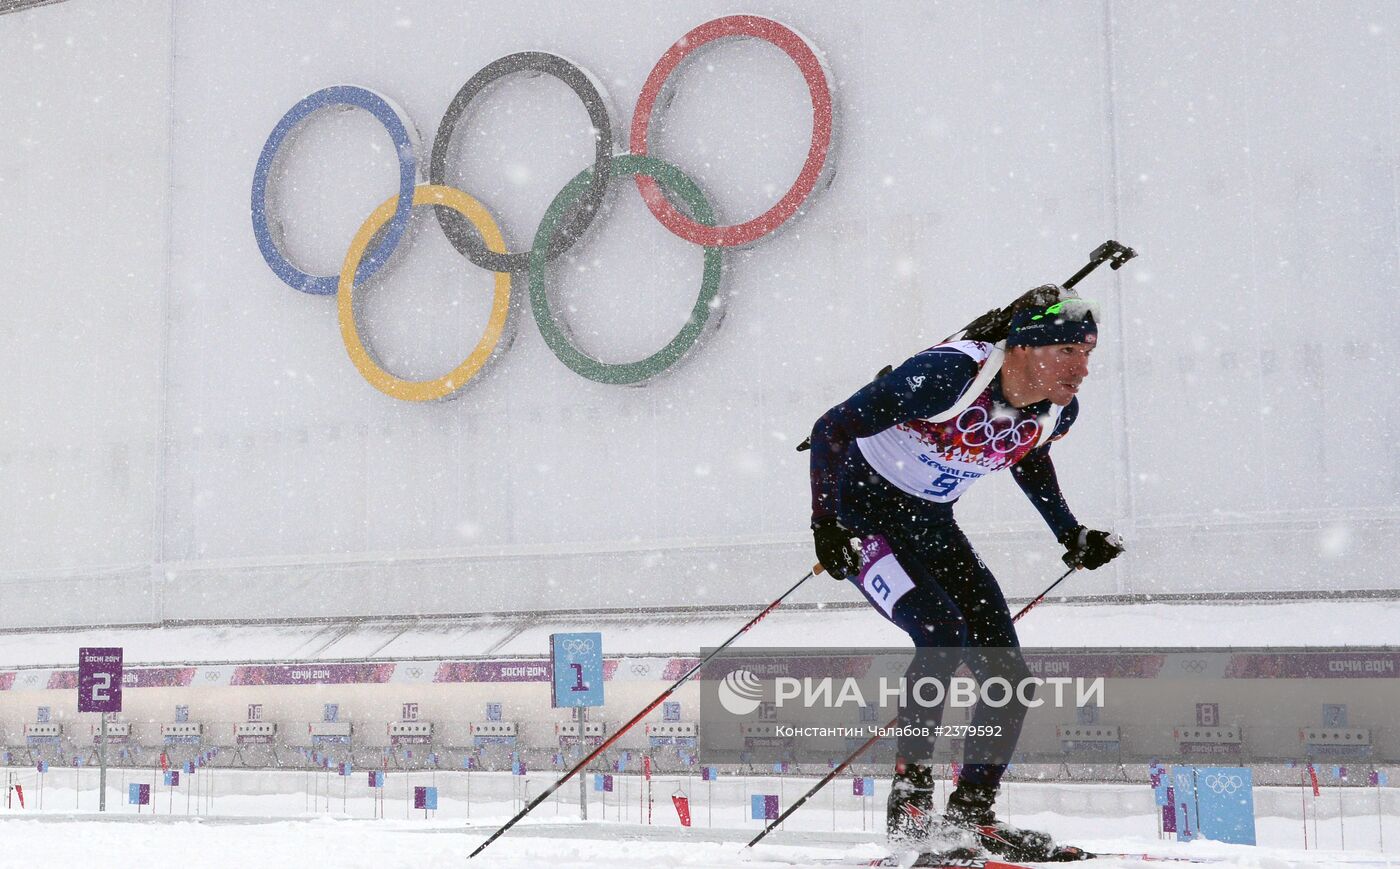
pixel 1059 369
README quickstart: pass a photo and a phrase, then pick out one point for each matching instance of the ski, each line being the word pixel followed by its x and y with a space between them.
pixel 908 860
pixel 972 858
pixel 945 861
pixel 1161 858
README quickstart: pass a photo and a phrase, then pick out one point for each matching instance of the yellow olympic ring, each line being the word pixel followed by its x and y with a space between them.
pixel 441 387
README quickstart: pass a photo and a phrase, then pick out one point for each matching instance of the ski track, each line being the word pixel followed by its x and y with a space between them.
pixel 120 842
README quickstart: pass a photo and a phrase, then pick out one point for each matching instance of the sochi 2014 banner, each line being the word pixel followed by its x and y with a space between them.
pixel 1236 666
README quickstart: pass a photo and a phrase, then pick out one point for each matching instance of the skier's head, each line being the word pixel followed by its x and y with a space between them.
pixel 1047 351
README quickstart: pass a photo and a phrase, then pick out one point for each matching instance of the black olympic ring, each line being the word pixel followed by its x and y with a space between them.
pixel 458 229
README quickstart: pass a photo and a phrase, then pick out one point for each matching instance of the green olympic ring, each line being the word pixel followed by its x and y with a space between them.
pixel 556 332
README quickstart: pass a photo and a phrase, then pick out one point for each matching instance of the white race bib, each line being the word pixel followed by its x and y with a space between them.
pixel 882 579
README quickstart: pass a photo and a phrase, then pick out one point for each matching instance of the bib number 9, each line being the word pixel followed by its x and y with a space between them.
pixel 943 486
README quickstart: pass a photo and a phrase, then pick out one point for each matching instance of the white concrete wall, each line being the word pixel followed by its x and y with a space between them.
pixel 184 436
pixel 85 236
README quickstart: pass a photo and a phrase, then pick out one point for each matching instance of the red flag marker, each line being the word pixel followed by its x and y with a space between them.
pixel 682 804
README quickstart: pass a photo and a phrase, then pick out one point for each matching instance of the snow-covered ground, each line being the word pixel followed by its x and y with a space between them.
pixel 356 844
pixel 277 827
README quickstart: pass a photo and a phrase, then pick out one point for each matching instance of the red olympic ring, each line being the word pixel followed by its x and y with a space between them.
pixel 795 47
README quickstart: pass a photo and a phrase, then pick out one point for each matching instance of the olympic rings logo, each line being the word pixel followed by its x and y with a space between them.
pixel 578 647
pixel 474 233
pixel 1223 784
pixel 979 429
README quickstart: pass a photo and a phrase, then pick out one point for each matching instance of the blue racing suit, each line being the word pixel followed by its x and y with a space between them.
pixel 889 467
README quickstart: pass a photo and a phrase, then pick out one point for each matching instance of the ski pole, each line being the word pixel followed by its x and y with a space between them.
pixel 872 740
pixel 640 715
pixel 1027 608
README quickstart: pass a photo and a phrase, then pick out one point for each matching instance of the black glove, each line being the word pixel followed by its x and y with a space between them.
pixel 839 556
pixel 1091 549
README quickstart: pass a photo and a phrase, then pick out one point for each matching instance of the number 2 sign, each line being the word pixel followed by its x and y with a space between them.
pixel 577 661
pixel 99 679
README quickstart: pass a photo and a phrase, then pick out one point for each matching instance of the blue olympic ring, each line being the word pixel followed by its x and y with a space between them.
pixel 404 137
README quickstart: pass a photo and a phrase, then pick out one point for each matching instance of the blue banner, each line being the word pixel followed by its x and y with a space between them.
pixel 1161 780
pixel 1183 793
pixel 1226 798
pixel 764 807
pixel 425 798
pixel 1214 802
pixel 577 662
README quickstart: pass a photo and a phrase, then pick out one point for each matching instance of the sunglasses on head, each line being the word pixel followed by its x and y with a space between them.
pixel 1070 309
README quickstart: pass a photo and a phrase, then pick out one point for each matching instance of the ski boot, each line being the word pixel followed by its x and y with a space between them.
pixel 909 811
pixel 970 808
pixel 913 824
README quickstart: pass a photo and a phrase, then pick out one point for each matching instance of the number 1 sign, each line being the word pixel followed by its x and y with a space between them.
pixel 99 680
pixel 578 669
